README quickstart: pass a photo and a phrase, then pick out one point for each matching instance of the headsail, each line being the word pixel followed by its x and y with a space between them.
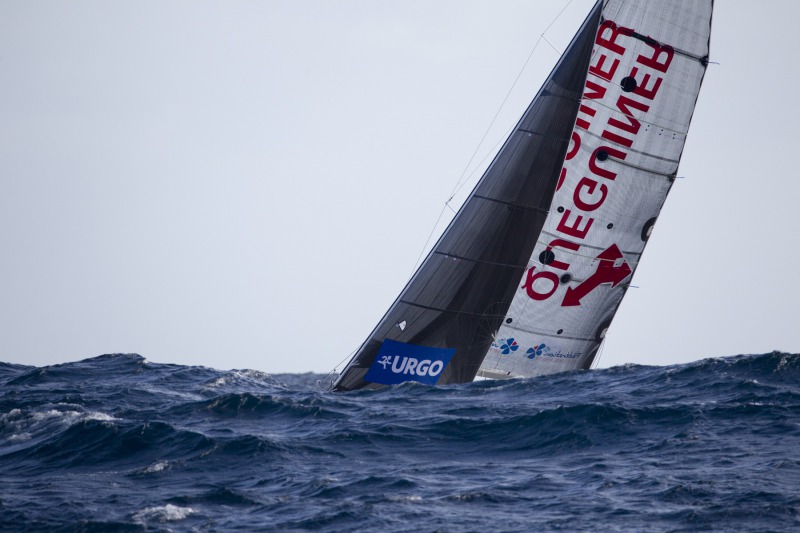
pixel 555 217
pixel 644 78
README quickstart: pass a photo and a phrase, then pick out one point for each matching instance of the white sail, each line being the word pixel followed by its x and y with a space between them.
pixel 645 74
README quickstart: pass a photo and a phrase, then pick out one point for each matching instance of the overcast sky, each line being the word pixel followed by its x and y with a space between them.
pixel 242 184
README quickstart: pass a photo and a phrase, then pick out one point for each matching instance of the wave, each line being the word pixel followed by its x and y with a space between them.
pixel 173 446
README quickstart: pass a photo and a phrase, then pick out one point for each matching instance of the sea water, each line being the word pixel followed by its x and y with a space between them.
pixel 116 443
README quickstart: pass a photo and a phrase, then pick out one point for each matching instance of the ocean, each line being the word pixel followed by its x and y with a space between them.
pixel 117 443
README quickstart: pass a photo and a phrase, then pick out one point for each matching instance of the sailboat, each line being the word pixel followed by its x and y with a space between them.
pixel 529 274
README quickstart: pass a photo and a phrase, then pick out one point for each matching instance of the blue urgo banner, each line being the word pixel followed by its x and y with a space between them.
pixel 397 362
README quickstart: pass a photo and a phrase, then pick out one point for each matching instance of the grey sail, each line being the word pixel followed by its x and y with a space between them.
pixel 458 298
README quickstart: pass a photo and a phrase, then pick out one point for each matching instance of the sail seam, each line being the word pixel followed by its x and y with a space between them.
pixel 652 42
pixel 481 315
pixel 584 245
pixel 670 175
pixel 533 331
pixel 513 204
pixel 629 150
pixel 614 110
pixel 448 255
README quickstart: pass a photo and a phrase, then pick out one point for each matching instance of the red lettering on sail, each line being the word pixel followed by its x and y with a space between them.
pixel 632 124
pixel 562 177
pixel 607 36
pixel 564 244
pixel 661 58
pixel 619 139
pixel 598 92
pixel 580 199
pixel 609 270
pixel 533 277
pixel 641 87
pixel 573 228
pixel 587 203
pixel 608 151
pixel 597 68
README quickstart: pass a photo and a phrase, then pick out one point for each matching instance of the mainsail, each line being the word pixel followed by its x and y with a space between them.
pixel 529 274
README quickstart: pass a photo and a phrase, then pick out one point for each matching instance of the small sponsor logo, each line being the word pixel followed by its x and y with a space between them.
pixel 539 349
pixel 548 352
pixel 413 366
pixel 508 345
pixel 397 362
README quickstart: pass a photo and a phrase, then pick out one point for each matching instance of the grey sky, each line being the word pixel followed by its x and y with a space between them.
pixel 249 184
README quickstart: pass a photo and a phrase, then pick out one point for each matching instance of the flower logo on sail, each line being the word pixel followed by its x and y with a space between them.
pixel 508 345
pixel 539 349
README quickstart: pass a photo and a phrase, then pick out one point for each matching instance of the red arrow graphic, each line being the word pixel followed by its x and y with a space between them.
pixel 606 272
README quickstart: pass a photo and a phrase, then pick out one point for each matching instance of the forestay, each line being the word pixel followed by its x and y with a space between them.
pixel 528 275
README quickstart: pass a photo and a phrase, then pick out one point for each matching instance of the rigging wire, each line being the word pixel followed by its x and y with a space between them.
pixel 329 379
pixel 465 177
pixel 596 361
pixel 508 94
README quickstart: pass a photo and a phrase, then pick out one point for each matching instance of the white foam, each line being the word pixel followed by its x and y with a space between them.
pixel 158 467
pixel 25 425
pixel 242 375
pixel 164 513
pixel 408 498
pixel 219 382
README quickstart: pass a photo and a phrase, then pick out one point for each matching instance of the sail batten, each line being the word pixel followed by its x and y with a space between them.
pixel 527 277
pixel 450 311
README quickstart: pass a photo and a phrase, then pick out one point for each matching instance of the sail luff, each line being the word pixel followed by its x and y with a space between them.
pixel 459 296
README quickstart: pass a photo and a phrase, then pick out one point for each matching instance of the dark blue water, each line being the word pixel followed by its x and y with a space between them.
pixel 116 443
